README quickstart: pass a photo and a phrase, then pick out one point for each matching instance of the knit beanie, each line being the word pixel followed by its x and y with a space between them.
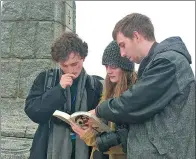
pixel 111 56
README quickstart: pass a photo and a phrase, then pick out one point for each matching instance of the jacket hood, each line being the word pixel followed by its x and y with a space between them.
pixel 174 44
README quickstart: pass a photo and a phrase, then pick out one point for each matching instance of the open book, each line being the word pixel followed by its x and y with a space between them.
pixel 82 119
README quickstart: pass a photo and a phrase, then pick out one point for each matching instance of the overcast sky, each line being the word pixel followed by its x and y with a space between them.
pixel 95 21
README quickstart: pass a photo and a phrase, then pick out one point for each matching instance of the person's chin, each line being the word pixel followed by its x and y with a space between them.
pixel 113 80
pixel 129 58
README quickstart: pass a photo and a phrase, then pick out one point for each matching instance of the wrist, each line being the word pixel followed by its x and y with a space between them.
pixel 60 86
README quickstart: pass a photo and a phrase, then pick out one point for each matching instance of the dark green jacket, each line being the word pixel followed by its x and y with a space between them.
pixel 160 107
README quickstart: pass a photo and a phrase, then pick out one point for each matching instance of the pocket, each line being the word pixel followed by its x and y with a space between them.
pixel 166 143
pixel 158 145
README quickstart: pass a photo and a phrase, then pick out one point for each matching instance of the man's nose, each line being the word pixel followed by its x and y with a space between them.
pixel 70 70
pixel 122 53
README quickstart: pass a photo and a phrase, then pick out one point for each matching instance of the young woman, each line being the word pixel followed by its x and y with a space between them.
pixel 120 76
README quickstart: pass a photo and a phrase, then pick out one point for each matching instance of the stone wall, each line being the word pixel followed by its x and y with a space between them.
pixel 28 30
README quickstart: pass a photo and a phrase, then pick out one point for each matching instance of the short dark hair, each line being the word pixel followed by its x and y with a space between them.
pixel 135 22
pixel 67 43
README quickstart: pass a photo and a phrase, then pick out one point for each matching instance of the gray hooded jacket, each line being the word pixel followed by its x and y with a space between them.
pixel 160 107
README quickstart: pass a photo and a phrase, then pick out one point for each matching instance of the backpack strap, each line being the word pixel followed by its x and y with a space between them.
pixel 50 79
pixel 92 80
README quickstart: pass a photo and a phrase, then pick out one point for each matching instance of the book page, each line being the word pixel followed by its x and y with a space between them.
pixel 84 118
pixel 62 115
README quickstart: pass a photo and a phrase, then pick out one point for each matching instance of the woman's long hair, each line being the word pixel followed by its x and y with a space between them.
pixel 116 89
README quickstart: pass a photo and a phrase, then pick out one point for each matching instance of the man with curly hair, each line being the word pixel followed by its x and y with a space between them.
pixel 74 90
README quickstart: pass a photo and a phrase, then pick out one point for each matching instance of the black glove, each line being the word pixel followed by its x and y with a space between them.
pixel 106 140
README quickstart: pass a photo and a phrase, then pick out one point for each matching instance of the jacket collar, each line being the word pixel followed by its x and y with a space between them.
pixel 146 60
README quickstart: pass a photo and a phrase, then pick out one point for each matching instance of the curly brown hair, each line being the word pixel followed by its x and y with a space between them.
pixel 67 43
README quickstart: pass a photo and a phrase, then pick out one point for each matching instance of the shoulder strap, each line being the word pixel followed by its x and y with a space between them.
pixel 93 92
pixel 50 79
pixel 92 81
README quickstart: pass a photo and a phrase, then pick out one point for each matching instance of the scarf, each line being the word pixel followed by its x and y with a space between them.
pixel 60 144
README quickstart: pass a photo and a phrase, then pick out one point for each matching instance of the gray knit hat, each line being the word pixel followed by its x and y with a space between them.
pixel 111 56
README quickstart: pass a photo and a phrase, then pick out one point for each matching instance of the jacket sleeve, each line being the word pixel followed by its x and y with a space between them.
pixel 40 105
pixel 116 150
pixel 90 141
pixel 89 138
pixel 152 92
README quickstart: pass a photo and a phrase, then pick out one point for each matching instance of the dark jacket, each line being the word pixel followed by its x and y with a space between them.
pixel 40 106
pixel 160 107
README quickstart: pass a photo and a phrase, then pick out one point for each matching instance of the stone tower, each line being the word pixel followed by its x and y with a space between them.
pixel 28 30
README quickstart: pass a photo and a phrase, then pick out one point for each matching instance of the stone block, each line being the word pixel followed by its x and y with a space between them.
pixel 46 34
pixel 45 10
pixel 23 39
pixel 69 17
pixel 13 132
pixel 14 121
pixel 15 148
pixel 70 3
pixel 67 29
pixel 58 30
pixel 14 10
pixel 30 131
pixel 27 132
pixel 6 36
pixel 29 70
pixel 10 77
pixel 74 16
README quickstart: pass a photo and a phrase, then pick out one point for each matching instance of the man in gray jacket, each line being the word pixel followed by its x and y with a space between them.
pixel 160 107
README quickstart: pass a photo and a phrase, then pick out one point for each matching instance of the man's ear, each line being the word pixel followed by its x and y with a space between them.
pixel 83 59
pixel 137 36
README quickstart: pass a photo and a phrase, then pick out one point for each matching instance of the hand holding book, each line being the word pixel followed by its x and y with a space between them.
pixel 82 131
pixel 83 120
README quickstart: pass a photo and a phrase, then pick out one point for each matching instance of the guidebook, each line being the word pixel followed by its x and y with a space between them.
pixel 83 119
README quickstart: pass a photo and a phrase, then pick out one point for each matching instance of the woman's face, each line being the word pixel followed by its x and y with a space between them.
pixel 114 73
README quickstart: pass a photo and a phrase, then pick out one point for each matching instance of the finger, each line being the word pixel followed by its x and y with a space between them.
pixel 72 76
pixel 68 83
pixel 90 122
pixel 79 131
pixel 72 123
pixel 88 129
pixel 66 76
pixel 91 111
pixel 67 79
pixel 75 129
